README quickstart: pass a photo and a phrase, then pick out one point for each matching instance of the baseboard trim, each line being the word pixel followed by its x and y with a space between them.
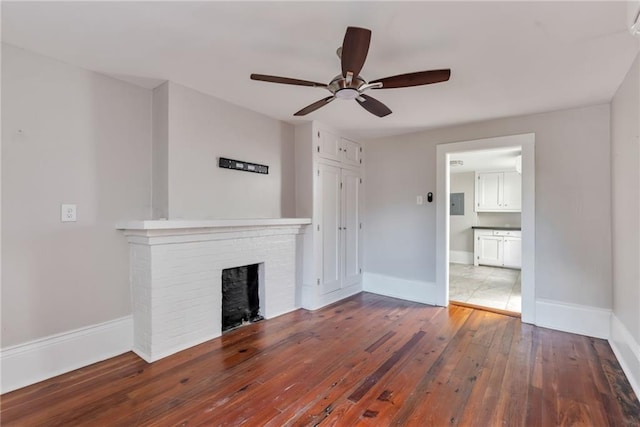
pixel 308 297
pixel 627 351
pixel 410 290
pixel 311 301
pixel 577 319
pixel 336 296
pixel 44 358
pixel 461 257
pixel 161 354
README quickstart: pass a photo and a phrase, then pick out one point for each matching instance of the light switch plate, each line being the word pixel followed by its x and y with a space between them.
pixel 419 200
pixel 68 213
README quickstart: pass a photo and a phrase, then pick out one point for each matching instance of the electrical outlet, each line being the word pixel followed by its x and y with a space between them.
pixel 68 213
pixel 419 200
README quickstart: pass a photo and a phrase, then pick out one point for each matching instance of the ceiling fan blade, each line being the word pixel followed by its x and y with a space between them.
pixel 286 80
pixel 414 79
pixel 373 106
pixel 354 50
pixel 313 107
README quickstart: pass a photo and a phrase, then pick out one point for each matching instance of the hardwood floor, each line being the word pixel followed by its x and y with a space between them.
pixel 368 360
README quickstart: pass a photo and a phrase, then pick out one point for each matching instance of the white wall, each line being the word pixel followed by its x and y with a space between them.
pixel 160 152
pixel 625 200
pixel 74 136
pixel 573 240
pixel 86 139
pixel 499 219
pixel 460 232
pixel 201 129
pixel 625 196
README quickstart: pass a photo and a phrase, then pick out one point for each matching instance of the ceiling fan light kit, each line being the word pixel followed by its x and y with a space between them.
pixel 347 93
pixel 350 85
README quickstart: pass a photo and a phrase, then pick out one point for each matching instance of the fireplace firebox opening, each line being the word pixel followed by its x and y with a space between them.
pixel 240 296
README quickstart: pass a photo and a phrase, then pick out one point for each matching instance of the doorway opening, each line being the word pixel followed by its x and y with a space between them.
pixel 476 256
pixel 485 251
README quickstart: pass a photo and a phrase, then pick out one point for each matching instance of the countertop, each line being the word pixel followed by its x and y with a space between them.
pixel 482 227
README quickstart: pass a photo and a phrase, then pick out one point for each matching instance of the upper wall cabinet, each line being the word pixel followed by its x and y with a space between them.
pixel 351 151
pixel 498 192
pixel 333 147
pixel 329 145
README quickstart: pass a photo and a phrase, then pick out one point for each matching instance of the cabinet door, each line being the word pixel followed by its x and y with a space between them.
pixel 488 191
pixel 350 152
pixel 512 191
pixel 329 221
pixel 490 250
pixel 351 226
pixel 512 252
pixel 329 145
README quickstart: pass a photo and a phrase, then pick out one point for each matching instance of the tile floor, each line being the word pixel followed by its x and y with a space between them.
pixel 485 286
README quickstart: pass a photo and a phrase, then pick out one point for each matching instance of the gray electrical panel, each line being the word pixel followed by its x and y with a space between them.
pixel 457 204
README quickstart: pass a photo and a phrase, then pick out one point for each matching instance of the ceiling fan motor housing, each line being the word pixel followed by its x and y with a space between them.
pixel 342 90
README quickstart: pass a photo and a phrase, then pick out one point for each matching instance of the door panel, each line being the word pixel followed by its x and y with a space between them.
pixel 350 225
pixel 330 221
pixel 329 145
pixel 512 193
pixel 490 250
pixel 350 152
pixel 513 252
pixel 488 191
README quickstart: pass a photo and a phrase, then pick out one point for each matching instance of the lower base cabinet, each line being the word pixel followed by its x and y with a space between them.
pixel 500 248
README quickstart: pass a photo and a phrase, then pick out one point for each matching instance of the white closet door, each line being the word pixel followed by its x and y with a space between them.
pixel 351 226
pixel 329 191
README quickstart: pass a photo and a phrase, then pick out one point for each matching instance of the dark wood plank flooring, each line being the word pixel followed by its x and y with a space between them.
pixel 367 360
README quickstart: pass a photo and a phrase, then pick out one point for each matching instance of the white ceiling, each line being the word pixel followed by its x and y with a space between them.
pixel 486 160
pixel 507 58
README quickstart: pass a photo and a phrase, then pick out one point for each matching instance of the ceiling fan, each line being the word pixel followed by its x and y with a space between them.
pixel 350 85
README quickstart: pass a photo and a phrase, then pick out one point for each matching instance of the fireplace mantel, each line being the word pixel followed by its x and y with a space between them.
pixel 180 224
pixel 176 275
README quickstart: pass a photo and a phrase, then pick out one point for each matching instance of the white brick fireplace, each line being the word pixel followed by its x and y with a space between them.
pixel 176 276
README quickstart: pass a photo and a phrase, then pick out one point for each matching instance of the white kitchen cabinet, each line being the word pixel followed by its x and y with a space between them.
pixel 500 248
pixel 512 191
pixel 512 251
pixel 488 191
pixel 329 190
pixel 498 192
pixel 490 250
